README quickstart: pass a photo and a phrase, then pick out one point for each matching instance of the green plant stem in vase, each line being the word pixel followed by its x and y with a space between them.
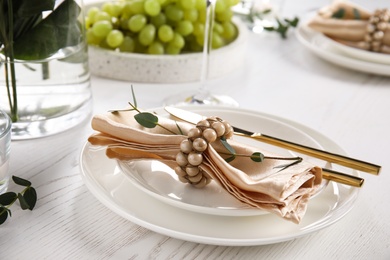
pixel 44 57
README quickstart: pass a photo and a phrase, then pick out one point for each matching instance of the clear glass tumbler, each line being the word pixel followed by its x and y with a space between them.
pixel 5 143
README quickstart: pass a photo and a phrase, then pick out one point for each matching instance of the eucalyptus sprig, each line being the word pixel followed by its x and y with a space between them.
pixel 257 156
pixel 146 119
pixel 27 198
pixel 282 25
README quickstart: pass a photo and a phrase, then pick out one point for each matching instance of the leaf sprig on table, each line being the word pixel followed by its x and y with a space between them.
pixel 149 120
pixel 27 198
pixel 282 25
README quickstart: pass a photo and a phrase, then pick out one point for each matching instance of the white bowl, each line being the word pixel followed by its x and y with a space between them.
pixel 180 68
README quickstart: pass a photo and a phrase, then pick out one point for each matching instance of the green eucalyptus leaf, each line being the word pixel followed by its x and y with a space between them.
pixel 293 22
pixel 147 119
pixel 227 146
pixel 23 203
pixel 257 157
pixel 30 196
pixel 339 14
pixel 7 198
pixel 4 214
pixel 356 14
pixel 179 128
pixel 231 158
pixel 20 181
pixel 23 8
pixel 58 30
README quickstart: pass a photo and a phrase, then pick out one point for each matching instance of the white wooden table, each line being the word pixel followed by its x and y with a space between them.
pixel 280 77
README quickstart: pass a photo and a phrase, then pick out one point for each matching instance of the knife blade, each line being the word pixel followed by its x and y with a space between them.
pixel 356 164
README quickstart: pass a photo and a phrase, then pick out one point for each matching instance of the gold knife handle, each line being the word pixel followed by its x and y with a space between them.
pixel 316 153
pixel 342 178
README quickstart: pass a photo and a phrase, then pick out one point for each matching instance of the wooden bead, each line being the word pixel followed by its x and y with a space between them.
pixel 378 35
pixel 180 172
pixel 186 146
pixel 183 179
pixel 219 128
pixel 196 178
pixel 203 124
pixel 202 183
pixel 371 28
pixel 194 133
pixel 210 135
pixel 382 26
pixel 181 159
pixel 191 170
pixel 199 144
pixel 195 159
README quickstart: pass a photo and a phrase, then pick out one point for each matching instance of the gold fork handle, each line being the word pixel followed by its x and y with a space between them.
pixel 316 153
pixel 343 178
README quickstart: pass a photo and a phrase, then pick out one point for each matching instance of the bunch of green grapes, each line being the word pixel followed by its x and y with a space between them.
pixel 158 26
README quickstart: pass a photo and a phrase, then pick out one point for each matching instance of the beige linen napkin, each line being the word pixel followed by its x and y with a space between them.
pixel 349 29
pixel 259 185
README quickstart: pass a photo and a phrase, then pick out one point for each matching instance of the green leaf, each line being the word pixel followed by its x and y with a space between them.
pixel 293 23
pixel 7 198
pixel 178 127
pixel 21 181
pixel 227 145
pixel 146 119
pixel 285 166
pixel 339 14
pixel 356 14
pixel 257 157
pixel 23 204
pixel 3 214
pixel 58 30
pixel 270 29
pixel 30 196
pixel 231 158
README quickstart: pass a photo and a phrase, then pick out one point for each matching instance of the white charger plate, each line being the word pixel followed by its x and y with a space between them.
pixel 332 52
pixel 109 185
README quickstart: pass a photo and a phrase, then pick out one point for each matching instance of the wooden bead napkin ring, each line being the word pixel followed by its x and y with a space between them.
pixel 376 28
pixel 191 150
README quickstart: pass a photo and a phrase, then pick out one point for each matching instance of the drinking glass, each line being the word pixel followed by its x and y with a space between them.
pixel 5 143
pixel 203 96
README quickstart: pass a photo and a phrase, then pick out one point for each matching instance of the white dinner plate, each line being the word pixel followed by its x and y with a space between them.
pixel 332 52
pixel 109 185
pixel 161 182
pixel 359 54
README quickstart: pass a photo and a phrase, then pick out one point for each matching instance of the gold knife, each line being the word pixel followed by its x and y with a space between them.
pixel 313 152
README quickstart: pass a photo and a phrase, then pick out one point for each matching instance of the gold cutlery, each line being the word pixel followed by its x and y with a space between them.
pixel 356 164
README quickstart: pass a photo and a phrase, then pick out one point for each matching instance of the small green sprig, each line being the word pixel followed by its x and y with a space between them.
pixel 257 156
pixel 283 26
pixel 27 198
pixel 146 119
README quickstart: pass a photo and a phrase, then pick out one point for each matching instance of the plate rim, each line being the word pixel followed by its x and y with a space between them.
pixel 305 35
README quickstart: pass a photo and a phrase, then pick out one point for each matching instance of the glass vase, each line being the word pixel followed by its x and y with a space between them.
pixel 45 84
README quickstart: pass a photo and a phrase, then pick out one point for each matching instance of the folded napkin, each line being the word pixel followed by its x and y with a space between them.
pixel 354 26
pixel 257 184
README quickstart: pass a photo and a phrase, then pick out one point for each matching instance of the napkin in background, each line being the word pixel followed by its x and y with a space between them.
pixel 285 193
pixel 350 26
